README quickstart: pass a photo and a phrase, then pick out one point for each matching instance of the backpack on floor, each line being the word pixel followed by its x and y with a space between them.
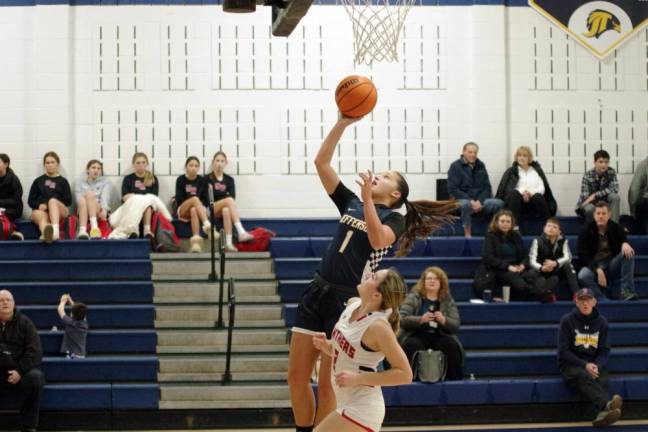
pixel 104 227
pixel 259 243
pixel 6 227
pixel 164 235
pixel 68 228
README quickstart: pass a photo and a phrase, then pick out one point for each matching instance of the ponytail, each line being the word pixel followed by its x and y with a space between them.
pixel 394 319
pixel 149 179
pixel 393 290
pixel 422 219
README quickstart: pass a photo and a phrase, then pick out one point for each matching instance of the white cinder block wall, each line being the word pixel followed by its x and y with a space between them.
pixel 101 82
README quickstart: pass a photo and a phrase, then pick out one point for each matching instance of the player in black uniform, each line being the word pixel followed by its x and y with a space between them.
pixel 141 182
pixel 367 230
pixel 192 200
pixel 49 198
pixel 224 205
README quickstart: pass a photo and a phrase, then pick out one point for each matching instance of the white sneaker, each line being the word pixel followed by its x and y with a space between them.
pixel 196 244
pixel 17 235
pixel 83 235
pixel 245 237
pixel 230 248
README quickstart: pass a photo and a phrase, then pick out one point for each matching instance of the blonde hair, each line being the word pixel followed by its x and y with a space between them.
pixel 444 289
pixel 524 150
pixel 149 178
pixel 392 289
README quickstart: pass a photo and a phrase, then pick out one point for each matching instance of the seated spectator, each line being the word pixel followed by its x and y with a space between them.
pixel 76 328
pixel 430 320
pixel 638 195
pixel 583 351
pixel 20 354
pixel 468 183
pixel 93 193
pixel 551 257
pixel 503 252
pixel 192 200
pixel 11 204
pixel 524 188
pixel 224 205
pixel 599 184
pixel 141 182
pixel 49 197
pixel 606 256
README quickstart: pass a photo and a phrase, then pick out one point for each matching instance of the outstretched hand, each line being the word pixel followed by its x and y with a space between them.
pixel 347 121
pixel 365 185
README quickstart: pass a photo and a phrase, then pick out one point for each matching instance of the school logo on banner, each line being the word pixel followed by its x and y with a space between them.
pixel 600 26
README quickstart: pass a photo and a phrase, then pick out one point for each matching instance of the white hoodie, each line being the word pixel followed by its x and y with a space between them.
pixel 101 187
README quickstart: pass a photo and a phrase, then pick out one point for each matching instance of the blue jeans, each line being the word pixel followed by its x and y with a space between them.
pixel 491 206
pixel 619 272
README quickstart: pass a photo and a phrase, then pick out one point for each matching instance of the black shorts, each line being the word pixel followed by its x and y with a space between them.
pixel 321 306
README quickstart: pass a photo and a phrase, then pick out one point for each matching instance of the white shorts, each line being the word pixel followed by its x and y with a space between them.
pixel 363 406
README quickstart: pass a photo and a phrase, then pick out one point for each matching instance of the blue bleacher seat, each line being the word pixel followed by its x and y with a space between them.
pixel 90 292
pixel 134 396
pixel 77 397
pixel 76 270
pixel 74 249
pixel 106 341
pixel 101 368
pixel 99 316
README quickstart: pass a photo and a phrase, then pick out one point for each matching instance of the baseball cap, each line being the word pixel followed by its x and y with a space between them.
pixel 584 293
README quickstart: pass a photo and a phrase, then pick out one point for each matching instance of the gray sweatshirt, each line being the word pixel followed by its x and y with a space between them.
pixel 101 188
pixel 639 186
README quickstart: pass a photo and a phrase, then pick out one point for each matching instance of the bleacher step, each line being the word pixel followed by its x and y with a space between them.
pixel 202 277
pixel 179 292
pixel 191 267
pixel 219 337
pixel 206 256
pixel 211 364
pixel 210 324
pixel 237 404
pixel 221 349
pixel 207 313
pixel 215 377
pixel 230 393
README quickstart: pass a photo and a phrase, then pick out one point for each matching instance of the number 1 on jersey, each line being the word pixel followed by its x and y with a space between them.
pixel 346 241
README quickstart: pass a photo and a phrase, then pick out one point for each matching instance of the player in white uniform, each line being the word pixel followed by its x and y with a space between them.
pixel 361 339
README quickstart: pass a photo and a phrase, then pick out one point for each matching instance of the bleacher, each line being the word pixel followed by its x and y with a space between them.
pixel 114 279
pixel 510 348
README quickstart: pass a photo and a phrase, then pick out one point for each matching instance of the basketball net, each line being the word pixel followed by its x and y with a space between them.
pixel 377 24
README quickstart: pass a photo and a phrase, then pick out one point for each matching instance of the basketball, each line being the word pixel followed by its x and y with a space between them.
pixel 356 96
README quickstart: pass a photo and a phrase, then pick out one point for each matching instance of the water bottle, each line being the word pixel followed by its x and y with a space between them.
pixel 472 377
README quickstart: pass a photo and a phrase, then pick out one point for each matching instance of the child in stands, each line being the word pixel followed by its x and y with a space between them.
pixel 76 328
pixel 224 205
pixel 11 205
pixel 192 200
pixel 142 181
pixel 92 192
pixel 49 197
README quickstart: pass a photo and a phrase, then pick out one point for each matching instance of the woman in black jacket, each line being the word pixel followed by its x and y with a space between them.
pixel 10 194
pixel 524 187
pixel 503 252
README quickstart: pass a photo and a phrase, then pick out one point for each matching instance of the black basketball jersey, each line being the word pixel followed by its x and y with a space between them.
pixel 350 250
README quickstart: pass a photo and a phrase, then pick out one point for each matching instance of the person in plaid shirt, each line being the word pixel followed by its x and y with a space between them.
pixel 599 184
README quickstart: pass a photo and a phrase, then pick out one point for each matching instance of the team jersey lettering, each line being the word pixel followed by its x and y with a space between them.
pixel 220 186
pixel 354 222
pixel 586 340
pixel 344 344
pixel 139 185
pixel 50 184
pixel 191 189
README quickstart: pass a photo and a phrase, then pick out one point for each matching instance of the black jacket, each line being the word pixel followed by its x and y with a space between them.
pixel 20 339
pixel 469 183
pixel 583 339
pixel 541 249
pixel 492 250
pixel 510 180
pixel 11 195
pixel 588 242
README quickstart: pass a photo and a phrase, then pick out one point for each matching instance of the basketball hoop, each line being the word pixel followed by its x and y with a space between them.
pixel 377 25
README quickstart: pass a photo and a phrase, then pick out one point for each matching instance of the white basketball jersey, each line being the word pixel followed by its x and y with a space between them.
pixel 349 355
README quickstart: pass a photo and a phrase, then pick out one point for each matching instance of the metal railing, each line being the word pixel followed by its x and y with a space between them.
pixel 231 307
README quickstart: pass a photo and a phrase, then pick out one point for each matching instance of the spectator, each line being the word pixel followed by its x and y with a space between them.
pixel 503 252
pixel 468 182
pixel 20 354
pixel 583 350
pixel 192 200
pixel 599 184
pixel 224 205
pixel 49 197
pixel 524 188
pixel 141 182
pixel 93 193
pixel 11 204
pixel 76 328
pixel 638 195
pixel 606 256
pixel 551 257
pixel 430 320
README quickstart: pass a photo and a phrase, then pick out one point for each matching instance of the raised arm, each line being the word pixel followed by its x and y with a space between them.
pixel 327 174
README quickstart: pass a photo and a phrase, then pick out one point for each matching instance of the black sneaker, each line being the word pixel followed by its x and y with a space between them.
pixel 133 236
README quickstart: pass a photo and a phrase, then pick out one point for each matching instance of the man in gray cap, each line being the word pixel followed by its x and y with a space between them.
pixel 583 350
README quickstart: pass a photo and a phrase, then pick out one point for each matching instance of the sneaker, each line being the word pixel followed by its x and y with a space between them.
pixel 95 233
pixel 196 244
pixel 230 248
pixel 83 235
pixel 148 235
pixel 627 296
pixel 245 237
pixel 17 235
pixel 615 403
pixel 133 236
pixel 606 418
pixel 48 234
